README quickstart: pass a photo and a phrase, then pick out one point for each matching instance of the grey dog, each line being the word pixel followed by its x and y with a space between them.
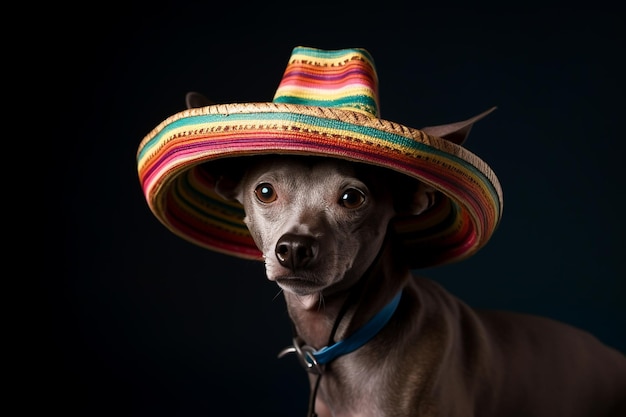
pixel 323 227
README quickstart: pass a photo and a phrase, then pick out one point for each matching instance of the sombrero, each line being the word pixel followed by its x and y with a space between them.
pixel 326 104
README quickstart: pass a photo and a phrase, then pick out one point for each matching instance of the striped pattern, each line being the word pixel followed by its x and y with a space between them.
pixel 177 161
pixel 344 79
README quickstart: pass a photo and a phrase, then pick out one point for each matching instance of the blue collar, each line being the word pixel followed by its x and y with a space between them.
pixel 311 358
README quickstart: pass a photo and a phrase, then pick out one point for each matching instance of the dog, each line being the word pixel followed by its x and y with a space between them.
pixel 324 227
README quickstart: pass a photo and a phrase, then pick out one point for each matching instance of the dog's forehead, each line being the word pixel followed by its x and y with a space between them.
pixel 322 174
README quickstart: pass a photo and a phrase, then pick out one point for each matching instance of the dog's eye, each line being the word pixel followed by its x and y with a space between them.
pixel 352 198
pixel 265 193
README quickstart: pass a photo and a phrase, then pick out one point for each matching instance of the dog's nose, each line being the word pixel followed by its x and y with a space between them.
pixel 296 251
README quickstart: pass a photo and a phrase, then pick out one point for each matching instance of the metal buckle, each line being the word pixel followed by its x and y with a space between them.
pixel 305 355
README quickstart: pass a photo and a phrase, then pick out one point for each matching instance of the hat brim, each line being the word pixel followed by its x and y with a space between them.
pixel 179 188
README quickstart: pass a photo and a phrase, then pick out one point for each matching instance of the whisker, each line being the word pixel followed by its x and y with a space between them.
pixel 280 290
pixel 321 302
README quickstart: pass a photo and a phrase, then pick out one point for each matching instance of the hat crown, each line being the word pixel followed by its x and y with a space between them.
pixel 344 79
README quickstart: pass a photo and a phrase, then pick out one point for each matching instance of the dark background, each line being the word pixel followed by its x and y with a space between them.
pixel 142 323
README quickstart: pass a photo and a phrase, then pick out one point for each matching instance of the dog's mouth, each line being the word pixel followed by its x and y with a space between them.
pixel 300 285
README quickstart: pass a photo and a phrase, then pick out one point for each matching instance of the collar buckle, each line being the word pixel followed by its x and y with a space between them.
pixel 306 355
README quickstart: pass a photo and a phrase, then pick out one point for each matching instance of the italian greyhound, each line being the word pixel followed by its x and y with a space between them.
pixel 324 227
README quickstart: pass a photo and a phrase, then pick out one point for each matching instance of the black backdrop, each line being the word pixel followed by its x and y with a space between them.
pixel 143 323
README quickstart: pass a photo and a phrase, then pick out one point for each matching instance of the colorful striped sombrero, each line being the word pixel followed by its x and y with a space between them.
pixel 326 105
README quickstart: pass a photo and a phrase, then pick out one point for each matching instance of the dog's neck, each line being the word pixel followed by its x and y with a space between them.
pixel 382 281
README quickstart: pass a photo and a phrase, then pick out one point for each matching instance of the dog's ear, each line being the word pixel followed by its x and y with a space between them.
pixel 227 187
pixel 423 199
pixel 225 174
pixel 411 196
pixel 193 99
pixel 456 132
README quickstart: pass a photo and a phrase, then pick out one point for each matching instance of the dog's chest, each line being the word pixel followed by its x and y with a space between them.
pixel 351 390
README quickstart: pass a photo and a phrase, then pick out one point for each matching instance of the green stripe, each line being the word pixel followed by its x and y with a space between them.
pixel 358 100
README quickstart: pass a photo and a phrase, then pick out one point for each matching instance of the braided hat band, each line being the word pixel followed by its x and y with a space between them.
pixel 326 105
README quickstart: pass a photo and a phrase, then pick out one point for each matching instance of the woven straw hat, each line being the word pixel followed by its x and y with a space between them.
pixel 326 105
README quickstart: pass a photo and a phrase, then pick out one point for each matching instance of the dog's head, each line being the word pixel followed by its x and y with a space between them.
pixel 319 222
